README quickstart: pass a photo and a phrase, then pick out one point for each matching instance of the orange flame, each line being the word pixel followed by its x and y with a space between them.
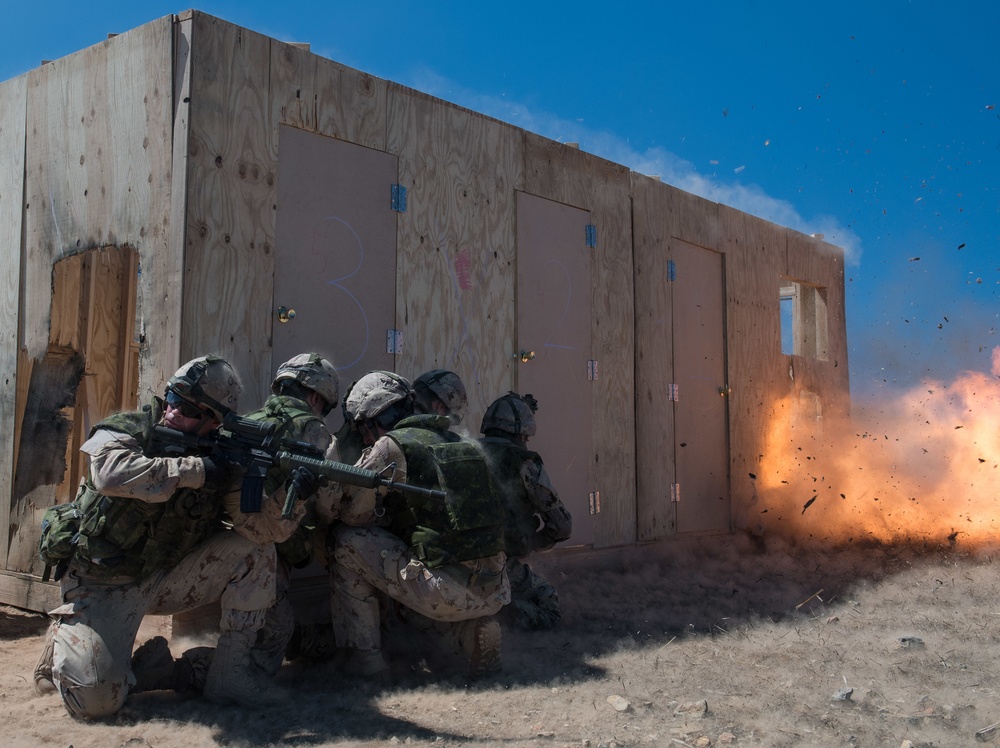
pixel 921 467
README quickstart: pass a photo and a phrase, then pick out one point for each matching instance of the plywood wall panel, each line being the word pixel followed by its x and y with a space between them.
pixel 692 219
pixel 98 158
pixel 293 99
pixel 13 102
pixel 351 105
pixel 564 174
pixel 652 206
pixel 755 252
pixel 320 95
pixel 456 243
pixel 231 194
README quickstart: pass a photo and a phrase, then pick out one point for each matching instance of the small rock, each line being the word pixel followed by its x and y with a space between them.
pixel 620 704
pixel 726 738
pixel 703 742
pixel 692 708
pixel 988 734
pixel 911 642
pixel 843 694
pixel 906 744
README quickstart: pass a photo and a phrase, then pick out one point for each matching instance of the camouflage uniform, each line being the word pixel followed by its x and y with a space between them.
pixel 295 421
pixel 448 571
pixel 536 518
pixel 151 544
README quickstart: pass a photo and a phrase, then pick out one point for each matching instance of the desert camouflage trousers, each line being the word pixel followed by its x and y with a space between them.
pixel 279 623
pixel 95 628
pixel 369 560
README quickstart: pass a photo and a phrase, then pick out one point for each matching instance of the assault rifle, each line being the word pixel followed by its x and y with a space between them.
pixel 252 445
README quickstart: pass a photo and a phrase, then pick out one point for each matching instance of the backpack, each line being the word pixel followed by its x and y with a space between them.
pixel 60 534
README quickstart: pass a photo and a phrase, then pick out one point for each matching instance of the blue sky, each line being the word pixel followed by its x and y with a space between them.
pixel 876 124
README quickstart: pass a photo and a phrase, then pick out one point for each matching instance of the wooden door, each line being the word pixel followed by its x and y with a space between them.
pixel 335 268
pixel 554 326
pixel 700 412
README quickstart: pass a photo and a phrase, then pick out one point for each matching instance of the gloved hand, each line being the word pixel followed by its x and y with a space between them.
pixel 307 483
pixel 220 473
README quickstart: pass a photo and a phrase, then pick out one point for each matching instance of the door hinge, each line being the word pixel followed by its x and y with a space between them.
pixel 399 198
pixel 394 342
pixel 673 392
pixel 671 270
pixel 592 370
pixel 675 493
pixel 591 232
pixel 595 502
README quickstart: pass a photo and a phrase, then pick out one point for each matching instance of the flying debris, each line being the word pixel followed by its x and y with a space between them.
pixel 809 504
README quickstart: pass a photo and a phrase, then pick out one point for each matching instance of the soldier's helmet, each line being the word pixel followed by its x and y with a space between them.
pixel 208 381
pixel 376 392
pixel 313 372
pixel 448 387
pixel 512 414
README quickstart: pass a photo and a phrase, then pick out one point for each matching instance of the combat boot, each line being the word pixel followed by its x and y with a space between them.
pixel 478 641
pixel 193 667
pixel 366 663
pixel 44 684
pixel 230 679
pixel 153 667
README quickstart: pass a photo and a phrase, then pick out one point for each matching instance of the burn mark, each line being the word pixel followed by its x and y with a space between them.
pixel 45 429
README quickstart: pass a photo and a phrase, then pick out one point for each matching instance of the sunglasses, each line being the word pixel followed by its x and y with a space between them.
pixel 187 409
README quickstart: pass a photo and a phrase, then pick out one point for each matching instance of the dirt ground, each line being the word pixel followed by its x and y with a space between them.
pixel 727 640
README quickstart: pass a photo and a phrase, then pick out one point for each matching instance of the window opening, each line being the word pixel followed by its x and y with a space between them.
pixel 802 308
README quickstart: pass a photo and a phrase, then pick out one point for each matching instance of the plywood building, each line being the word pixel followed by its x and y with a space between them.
pixel 191 186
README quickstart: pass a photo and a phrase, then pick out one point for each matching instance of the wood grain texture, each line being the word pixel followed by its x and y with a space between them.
pixel 351 105
pixel 96 173
pixel 652 210
pixel 456 243
pixel 231 195
pixel 564 174
pixel 13 102
pixel 97 158
pixel 29 593
pixel 755 252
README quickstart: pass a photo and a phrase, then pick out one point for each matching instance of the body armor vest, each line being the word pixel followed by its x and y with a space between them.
pixel 293 416
pixel 121 536
pixel 468 524
pixel 505 459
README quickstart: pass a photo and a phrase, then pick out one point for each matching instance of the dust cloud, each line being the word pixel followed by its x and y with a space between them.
pixel 922 466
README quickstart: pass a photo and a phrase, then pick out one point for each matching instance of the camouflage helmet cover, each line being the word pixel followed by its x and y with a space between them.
pixel 209 381
pixel 313 372
pixel 375 392
pixel 511 413
pixel 448 387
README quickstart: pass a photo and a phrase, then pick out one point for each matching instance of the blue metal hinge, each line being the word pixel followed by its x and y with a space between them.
pixel 399 198
pixel 591 235
pixel 671 270
pixel 394 342
pixel 592 370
